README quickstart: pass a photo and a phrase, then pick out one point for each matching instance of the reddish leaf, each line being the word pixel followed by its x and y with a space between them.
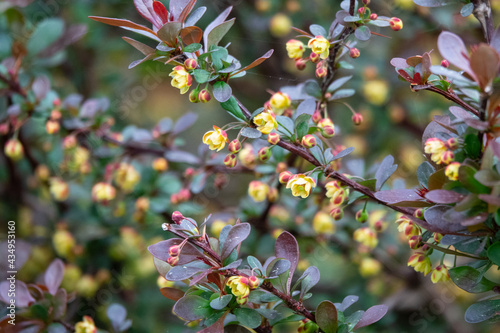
pixel 145 8
pixel 236 235
pixel 160 251
pixel 128 25
pixel 460 113
pixel 484 61
pixel 426 67
pixel 185 12
pixel 302 32
pixel 169 32
pixel 453 49
pixel 491 199
pixel 161 11
pixel 143 48
pixel 394 196
pixel 172 293
pixel 256 62
pixel 287 247
pixel 372 315
pixel 190 35
pixel 444 196
pixel 474 220
pixel 405 75
pixel 217 327
pixel 414 61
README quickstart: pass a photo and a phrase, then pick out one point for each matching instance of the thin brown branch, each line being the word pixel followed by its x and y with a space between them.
pixel 14 86
pixel 449 95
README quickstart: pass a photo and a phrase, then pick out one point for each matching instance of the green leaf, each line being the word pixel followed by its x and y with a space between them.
pixel 250 132
pixel 326 317
pixel 481 311
pixel 470 279
pixel 192 48
pixel 192 307
pixel 222 91
pixel 467 9
pixel 47 32
pixel 312 88
pixel 472 146
pixel 218 54
pixel 248 317
pixel 221 302
pixel 494 253
pixel 201 75
pixel 466 177
pixel 217 33
pixel 231 106
pixel 338 83
pixel 301 125
pixel 169 32
pixel 424 171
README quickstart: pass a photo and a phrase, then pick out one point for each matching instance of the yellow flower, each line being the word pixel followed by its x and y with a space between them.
pixel 420 262
pixel 85 326
pixel 369 267
pixel 436 148
pixel 452 171
pixel 14 149
pixel 127 177
pixel 216 139
pixel 323 224
pixel 265 121
pixel 280 25
pixel 366 236
pixel 59 189
pixel 295 48
pixel 320 45
pixel 217 227
pixel 63 242
pixel 258 190
pixel 376 91
pixel 103 192
pixel 280 102
pixel 181 79
pixel 239 286
pixel 247 156
pixel 160 164
pixel 440 274
pixel 301 185
pixel 402 222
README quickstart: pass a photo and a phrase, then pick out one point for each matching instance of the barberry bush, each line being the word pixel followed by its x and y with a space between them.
pixel 250 166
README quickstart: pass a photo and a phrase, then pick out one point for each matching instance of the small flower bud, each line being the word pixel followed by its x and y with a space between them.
pixel 42 172
pixel 337 213
pixel 190 64
pixel 419 214
pixel 354 53
pixel 59 189
pixel 55 115
pixel 174 251
pixel 14 150
pixel 361 216
pixel 357 119
pixel 316 117
pixel 438 237
pixel 300 64
pixel 314 57
pixel 445 63
pixel 172 261
pixel 452 143
pixel 52 126
pixel 273 138
pixel 280 167
pixel 308 141
pixel 366 2
pixel 103 193
pixel 412 229
pixel 396 24
pixel 272 195
pixel 253 282
pixel 234 146
pixel 69 142
pixel 142 204
pixel 414 242
pixel 56 102
pixel 230 160
pixel 204 96
pixel 184 194
pixel 373 16
pixel 4 128
pixel 328 131
pixel 447 157
pixel 160 164
pixel 241 300
pixel 325 123
pixel 264 154
pixel 189 173
pixel 194 96
pixel 361 11
pixel 177 217
pixel 321 71
pixel 285 176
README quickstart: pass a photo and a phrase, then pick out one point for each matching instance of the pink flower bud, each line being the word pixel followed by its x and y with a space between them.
pixel 273 138
pixel 328 131
pixel 204 96
pixel 445 63
pixel 337 213
pixel 321 71
pixel 285 176
pixel 354 53
pixel 396 24
pixel 190 64
pixel 177 217
pixel 414 242
pixel 419 213
pixel 373 16
pixel 174 251
pixel 253 282
pixel 452 143
pixel 361 11
pixel 172 261
pixel 357 119
pixel 230 160
pixel 281 166
pixel 234 146
pixel 300 64
pixel 264 154
pixel 314 57
pixel 308 141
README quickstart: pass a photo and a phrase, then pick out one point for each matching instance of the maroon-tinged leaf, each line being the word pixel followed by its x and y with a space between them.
pixel 477 124
pixel 183 272
pixel 161 11
pixel 145 8
pixel 54 275
pixel 384 171
pixel 287 247
pixel 172 293
pixel 256 63
pixel 460 113
pixel 495 147
pixel 127 25
pixel 435 216
pixel 23 297
pixel 192 307
pixel 474 220
pixel 185 11
pixel 453 49
pixel 185 122
pixel 491 199
pixel 181 157
pixel 196 279
pixel 495 40
pixel 221 18
pixel 372 315
pixel 393 197
pixel 218 32
pixel 191 35
pixel 169 32
pixel 140 61
pixel 485 62
pixel 326 317
pixel 143 48
pixel 414 61
pixel 41 86
pixel 60 304
pixel 309 279
pixel 426 66
pixel 236 235
pixel 187 254
pixel 217 327
pixel 444 196
pixel 302 32
pixel 445 122
pixel 405 75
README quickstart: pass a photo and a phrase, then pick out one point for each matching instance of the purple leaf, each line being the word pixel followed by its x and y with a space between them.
pixel 41 86
pixel 54 275
pixel 460 113
pixel 23 297
pixel 372 315
pixel 495 147
pixel 215 23
pixel 444 196
pixel 309 279
pixel 476 219
pixel 288 248
pixel 184 122
pixel 187 254
pixel 183 272
pixel 181 157
pixel 342 154
pixel 453 49
pixel 236 235
pixel 192 307
pixel 477 124
pixel 435 216
pixel 384 171
pixel 394 196
pixel 347 302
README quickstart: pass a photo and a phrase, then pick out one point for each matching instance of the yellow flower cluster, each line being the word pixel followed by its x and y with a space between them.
pixel 439 151
pixel 241 286
pixel 440 274
pixel 320 45
pixel 258 190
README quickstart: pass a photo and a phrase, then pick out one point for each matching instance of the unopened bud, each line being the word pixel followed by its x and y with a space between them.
pixel 253 282
pixel 361 11
pixel 321 71
pixel 174 251
pixel 69 142
pixel 308 141
pixel 55 115
pixel 361 216
pixel 230 160
pixel 419 214
pixel 234 146
pixel 354 53
pixel 445 63
pixel 357 119
pixel 452 143
pixel 264 154
pixel 285 176
pixel 337 213
pixel 314 57
pixel 447 157
pixel 273 138
pixel 160 164
pixel 300 64
pixel 52 126
pixel 142 204
pixel 396 24
pixel 190 64
pixel 272 195
pixel 373 16
pixel 193 96
pixel 366 2
pixel 438 237
pixel 204 96
pixel 14 149
pixel 177 217
pixel 172 261
pixel 414 242
pixel 328 131
pixel 316 117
